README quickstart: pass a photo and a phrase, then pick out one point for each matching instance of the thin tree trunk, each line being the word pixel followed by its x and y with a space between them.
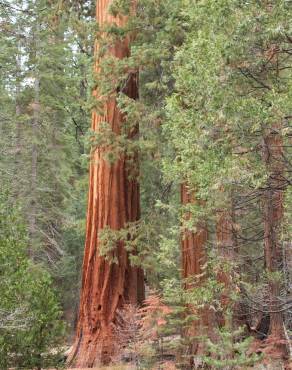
pixel 273 197
pixel 17 178
pixel 18 127
pixel 34 159
pixel 225 244
pixel 113 201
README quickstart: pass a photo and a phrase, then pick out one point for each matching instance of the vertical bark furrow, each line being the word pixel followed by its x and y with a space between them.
pixel 193 246
pixel 273 213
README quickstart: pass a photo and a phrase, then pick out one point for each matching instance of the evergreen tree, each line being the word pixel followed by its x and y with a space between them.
pixel 30 315
pixel 231 87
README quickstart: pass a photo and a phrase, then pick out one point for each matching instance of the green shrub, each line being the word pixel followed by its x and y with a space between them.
pixel 30 326
pixel 230 350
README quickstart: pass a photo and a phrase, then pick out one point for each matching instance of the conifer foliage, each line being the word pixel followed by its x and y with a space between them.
pixel 30 315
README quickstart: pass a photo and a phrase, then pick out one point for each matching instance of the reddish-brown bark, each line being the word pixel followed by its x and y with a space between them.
pixel 113 201
pixel 273 198
pixel 192 244
pixel 194 257
pixel 225 244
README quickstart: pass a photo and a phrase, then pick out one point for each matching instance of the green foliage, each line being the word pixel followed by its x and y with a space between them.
pixel 230 350
pixel 51 43
pixel 221 108
pixel 31 329
pixel 232 81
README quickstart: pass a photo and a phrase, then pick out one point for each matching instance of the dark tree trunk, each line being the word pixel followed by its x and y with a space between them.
pixel 113 201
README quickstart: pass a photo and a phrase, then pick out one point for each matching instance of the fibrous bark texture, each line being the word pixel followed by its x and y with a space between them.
pixel 194 257
pixel 113 201
pixel 192 244
pixel 225 244
pixel 273 200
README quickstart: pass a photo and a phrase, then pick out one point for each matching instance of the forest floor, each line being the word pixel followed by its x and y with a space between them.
pixel 108 368
pixel 112 367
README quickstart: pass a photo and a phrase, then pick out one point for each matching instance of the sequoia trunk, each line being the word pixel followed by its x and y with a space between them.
pixel 113 201
pixel 193 246
pixel 192 243
pixel 273 198
pixel 225 244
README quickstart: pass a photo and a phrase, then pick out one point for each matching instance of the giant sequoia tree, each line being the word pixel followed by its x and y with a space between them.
pixel 273 209
pixel 194 258
pixel 113 201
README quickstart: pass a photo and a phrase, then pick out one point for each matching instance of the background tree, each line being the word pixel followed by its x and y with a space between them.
pixel 231 88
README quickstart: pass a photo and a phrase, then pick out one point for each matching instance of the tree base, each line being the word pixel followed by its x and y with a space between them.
pixel 92 350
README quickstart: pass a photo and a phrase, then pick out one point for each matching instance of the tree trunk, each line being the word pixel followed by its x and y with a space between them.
pixel 34 158
pixel 273 215
pixel 225 244
pixel 113 201
pixel 193 246
pixel 17 170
